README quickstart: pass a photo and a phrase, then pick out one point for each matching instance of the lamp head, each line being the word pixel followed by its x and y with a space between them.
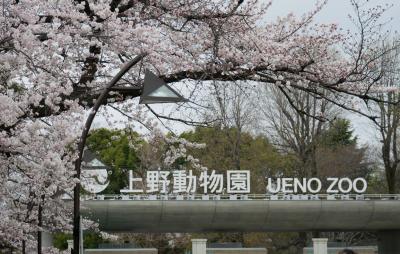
pixel 155 90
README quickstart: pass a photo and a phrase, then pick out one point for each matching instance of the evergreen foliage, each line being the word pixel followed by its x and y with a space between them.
pixel 118 150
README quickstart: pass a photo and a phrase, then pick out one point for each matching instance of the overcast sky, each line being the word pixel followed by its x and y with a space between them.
pixel 336 11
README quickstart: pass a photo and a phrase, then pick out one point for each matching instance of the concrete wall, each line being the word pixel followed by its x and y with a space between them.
pixel 358 250
pixel 121 251
pixel 47 240
pixel 236 251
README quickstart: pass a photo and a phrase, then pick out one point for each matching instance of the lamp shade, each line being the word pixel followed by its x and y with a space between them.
pixel 155 90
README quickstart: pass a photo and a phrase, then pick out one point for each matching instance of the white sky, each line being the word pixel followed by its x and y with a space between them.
pixel 336 11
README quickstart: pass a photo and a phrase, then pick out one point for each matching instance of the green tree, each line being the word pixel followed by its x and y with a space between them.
pixel 339 133
pixel 338 153
pixel 256 154
pixel 118 150
pixel 91 240
pixel 60 240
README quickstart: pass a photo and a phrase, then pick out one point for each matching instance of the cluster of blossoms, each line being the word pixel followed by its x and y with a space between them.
pixel 178 149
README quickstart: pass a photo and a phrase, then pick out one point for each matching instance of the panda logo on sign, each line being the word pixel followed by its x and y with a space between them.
pixel 94 174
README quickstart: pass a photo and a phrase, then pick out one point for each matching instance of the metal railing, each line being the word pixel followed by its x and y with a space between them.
pixel 244 197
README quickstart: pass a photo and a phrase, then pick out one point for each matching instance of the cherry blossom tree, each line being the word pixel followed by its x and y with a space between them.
pixel 389 117
pixel 57 56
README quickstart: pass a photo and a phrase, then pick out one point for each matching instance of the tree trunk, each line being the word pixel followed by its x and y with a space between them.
pixel 40 224
pixel 237 148
pixel 391 180
pixel 39 236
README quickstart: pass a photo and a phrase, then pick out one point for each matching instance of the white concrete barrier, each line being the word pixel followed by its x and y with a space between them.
pixel 70 244
pixel 320 245
pixel 199 246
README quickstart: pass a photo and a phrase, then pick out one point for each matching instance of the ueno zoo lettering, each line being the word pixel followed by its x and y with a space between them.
pixel 236 182
pixel 314 185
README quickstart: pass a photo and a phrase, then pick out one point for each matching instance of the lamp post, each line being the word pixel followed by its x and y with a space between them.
pixel 154 90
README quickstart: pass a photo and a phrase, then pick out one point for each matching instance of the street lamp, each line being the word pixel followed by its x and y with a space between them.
pixel 154 90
